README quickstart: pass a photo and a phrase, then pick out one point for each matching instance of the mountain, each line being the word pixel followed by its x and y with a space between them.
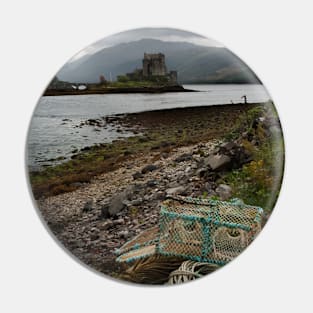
pixel 194 63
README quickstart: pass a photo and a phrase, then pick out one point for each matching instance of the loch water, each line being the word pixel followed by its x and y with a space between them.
pixel 54 133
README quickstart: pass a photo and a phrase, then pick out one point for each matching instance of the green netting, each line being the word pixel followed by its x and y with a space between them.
pixel 202 230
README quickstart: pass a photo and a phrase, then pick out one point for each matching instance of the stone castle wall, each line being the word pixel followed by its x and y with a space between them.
pixel 154 65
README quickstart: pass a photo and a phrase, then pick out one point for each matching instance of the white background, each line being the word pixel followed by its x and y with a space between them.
pixel 274 38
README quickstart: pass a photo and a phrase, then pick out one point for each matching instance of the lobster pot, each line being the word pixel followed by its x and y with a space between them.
pixel 206 230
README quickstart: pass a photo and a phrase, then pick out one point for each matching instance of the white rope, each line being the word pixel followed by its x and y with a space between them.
pixel 189 270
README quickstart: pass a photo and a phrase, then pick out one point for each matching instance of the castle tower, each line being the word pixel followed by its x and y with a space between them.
pixel 154 64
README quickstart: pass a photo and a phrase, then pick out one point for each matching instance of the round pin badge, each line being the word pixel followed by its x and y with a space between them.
pixel 155 156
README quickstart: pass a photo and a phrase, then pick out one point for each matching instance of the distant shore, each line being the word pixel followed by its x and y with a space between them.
pixel 118 90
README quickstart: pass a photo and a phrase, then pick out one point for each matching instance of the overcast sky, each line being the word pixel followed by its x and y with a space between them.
pixel 165 34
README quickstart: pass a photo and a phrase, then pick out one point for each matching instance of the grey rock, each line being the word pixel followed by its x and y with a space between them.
pixel 197 157
pixel 179 174
pixel 137 175
pixel 183 180
pixel 148 197
pixel 136 202
pixel 127 203
pixel 105 210
pixel 223 191
pixel 207 186
pixel 152 183
pixel 239 155
pixel 123 234
pixel 77 184
pixel 117 203
pixel 218 161
pixel 160 195
pixel 129 192
pixel 184 157
pixel 201 171
pixel 175 190
pixel 88 206
pixel 94 237
pixel 228 146
pixel 165 144
pixel 105 226
pixel 80 244
pixel 118 221
pixel 94 230
pixel 173 184
pixel 194 166
pixel 188 169
pixel 137 187
pixel 149 168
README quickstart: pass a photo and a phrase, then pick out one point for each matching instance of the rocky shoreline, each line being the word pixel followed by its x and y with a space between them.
pixel 100 215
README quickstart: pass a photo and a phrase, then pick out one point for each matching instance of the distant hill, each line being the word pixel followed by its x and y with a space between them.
pixel 195 64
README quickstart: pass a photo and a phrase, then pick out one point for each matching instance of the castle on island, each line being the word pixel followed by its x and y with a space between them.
pixel 154 69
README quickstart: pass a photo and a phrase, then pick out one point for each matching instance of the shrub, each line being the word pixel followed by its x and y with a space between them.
pixel 258 182
pixel 122 79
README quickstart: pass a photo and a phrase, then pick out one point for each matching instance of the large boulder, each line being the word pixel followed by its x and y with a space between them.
pixel 218 162
pixel 236 152
pixel 227 146
pixel 118 203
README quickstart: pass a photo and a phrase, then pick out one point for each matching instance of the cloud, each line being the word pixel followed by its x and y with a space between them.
pixel 164 34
